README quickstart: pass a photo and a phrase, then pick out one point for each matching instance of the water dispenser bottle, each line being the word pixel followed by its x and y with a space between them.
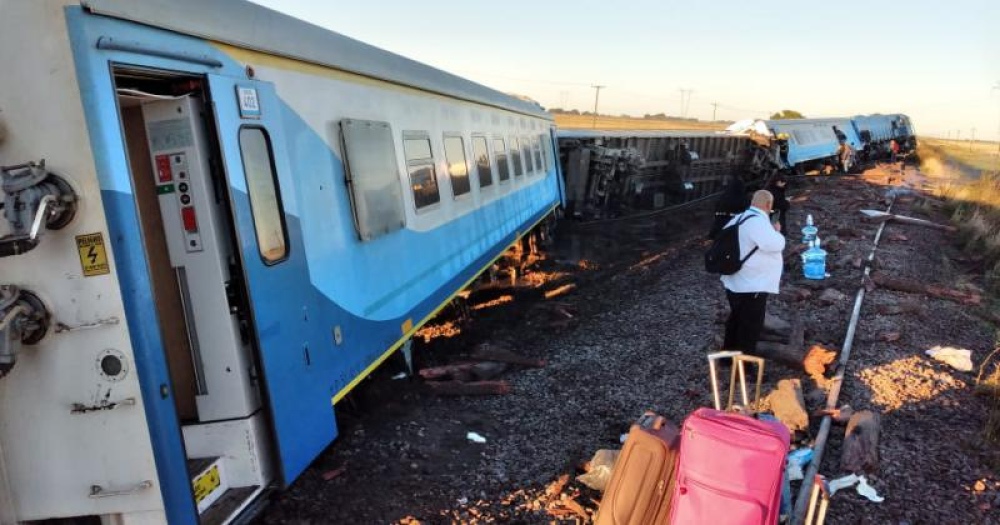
pixel 809 232
pixel 814 261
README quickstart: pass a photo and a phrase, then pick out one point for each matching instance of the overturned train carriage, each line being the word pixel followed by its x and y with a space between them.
pixel 799 145
pixel 217 220
pixel 621 173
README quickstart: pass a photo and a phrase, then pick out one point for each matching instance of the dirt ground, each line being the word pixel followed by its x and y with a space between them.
pixel 631 336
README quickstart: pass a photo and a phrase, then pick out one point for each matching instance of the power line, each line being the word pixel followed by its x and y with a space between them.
pixel 597 95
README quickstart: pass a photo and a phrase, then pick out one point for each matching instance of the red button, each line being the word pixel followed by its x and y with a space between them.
pixel 190 222
pixel 163 172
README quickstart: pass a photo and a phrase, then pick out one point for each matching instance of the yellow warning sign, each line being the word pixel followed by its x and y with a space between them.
pixel 93 257
pixel 205 484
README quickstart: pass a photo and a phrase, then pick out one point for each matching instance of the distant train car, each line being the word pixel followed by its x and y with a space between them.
pixel 802 144
pixel 217 221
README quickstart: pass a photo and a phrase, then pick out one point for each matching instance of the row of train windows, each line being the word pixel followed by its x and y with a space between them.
pixel 524 156
pixel 375 185
pixel 373 176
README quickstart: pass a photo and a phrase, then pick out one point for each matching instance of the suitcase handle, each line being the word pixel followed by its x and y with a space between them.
pixel 738 372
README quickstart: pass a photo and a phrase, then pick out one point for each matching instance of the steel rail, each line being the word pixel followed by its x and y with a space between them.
pixel 802 501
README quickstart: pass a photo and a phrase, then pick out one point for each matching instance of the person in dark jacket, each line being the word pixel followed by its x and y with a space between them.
pixel 731 203
pixel 777 188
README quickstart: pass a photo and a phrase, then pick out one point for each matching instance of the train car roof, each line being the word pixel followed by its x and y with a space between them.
pixel 639 133
pixel 248 25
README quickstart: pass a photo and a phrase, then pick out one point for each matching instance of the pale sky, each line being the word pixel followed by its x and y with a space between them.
pixel 933 60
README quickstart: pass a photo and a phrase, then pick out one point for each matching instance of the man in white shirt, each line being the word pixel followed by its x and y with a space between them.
pixel 759 276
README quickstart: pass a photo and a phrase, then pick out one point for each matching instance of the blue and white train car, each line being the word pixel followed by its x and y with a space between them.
pixel 812 140
pixel 217 221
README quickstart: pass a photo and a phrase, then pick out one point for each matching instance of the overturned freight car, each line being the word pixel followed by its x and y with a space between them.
pixel 619 173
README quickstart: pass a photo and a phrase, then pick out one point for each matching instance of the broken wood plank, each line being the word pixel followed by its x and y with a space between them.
pixel 788 405
pixel 460 372
pixel 788 354
pixel 474 388
pixel 487 352
pixel 941 292
pixel 860 450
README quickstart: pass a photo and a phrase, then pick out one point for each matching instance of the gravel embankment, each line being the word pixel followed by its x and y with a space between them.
pixel 631 337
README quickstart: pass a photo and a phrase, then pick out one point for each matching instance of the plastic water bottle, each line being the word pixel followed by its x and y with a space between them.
pixel 814 262
pixel 809 232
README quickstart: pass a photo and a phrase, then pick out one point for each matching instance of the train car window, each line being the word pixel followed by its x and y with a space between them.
pixel 481 156
pixel 458 167
pixel 420 167
pixel 544 146
pixel 372 177
pixel 265 198
pixel 526 152
pixel 515 157
pixel 500 152
pixel 537 146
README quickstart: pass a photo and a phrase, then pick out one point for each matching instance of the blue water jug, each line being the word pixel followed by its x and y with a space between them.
pixel 814 262
pixel 809 232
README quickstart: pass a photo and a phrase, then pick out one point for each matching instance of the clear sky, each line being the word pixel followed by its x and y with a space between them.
pixel 933 60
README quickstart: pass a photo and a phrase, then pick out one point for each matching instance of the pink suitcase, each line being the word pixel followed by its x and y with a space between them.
pixel 729 470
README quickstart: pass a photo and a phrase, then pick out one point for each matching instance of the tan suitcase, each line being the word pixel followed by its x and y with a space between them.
pixel 642 480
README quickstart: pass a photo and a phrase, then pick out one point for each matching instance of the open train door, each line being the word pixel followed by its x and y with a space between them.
pixel 275 272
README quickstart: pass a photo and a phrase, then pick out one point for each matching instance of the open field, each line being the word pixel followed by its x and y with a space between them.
pixel 968 159
pixel 567 121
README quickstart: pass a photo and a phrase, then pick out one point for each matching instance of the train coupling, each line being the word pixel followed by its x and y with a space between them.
pixel 24 320
pixel 33 197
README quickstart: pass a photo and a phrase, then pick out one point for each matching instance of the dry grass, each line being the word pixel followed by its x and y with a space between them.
pixel 614 123
pixel 972 191
pixel 962 156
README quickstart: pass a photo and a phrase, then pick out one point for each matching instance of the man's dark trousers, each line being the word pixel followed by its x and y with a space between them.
pixel 746 320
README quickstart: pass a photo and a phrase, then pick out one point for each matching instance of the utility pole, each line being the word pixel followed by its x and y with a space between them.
pixel 597 96
pixel 715 106
pixel 685 103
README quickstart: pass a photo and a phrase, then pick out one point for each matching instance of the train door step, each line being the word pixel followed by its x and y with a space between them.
pixel 208 481
pixel 232 504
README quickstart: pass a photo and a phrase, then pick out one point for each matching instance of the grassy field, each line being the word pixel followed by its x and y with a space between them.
pixel 959 159
pixel 610 123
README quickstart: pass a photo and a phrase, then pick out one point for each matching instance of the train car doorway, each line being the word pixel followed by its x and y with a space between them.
pixel 200 298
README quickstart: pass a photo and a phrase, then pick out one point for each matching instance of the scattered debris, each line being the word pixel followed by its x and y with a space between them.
pixel 868 491
pixel 562 290
pixel 831 296
pixel 598 469
pixel 860 448
pixel 903 285
pixel 842 483
pixel 474 388
pixel 890 337
pixel 500 354
pixel 881 216
pixel 816 361
pixel 958 358
pixel 475 438
pixel 330 474
pixel 838 415
pixel 797 459
pixel 787 404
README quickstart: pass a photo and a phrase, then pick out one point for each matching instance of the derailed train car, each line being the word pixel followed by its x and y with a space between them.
pixel 802 144
pixel 218 220
pixel 612 174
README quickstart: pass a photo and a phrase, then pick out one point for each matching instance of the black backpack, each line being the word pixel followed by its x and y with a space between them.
pixel 723 257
